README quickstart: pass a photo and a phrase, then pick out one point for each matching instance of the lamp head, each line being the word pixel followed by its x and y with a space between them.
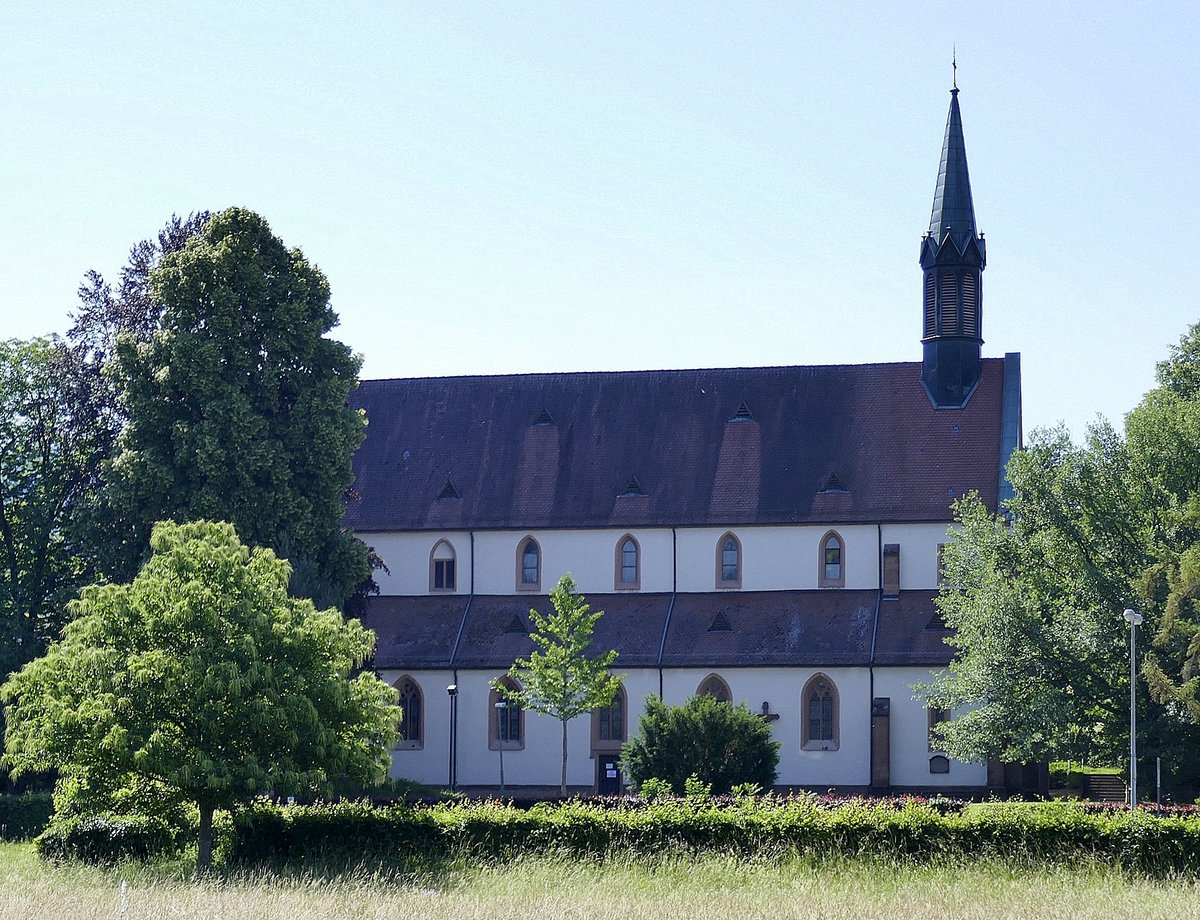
pixel 452 689
pixel 1133 618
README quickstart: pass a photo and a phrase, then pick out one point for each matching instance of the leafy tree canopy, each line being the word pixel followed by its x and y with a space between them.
pixel 1036 594
pixel 203 680
pixel 560 679
pixel 51 450
pixel 237 403
pixel 720 744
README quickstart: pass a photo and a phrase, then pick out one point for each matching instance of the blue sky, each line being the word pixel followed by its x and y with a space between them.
pixel 601 186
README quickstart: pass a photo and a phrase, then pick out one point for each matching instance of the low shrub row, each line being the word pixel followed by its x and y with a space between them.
pixel 23 817
pixel 110 839
pixel 360 833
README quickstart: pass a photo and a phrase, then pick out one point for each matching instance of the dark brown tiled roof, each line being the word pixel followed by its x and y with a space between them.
pixel 772 628
pixel 869 425
pixel 766 629
pixel 905 636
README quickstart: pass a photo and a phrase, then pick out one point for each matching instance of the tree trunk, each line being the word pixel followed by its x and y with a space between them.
pixel 204 844
pixel 563 789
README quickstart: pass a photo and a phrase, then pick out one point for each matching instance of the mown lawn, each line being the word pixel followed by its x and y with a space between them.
pixel 708 887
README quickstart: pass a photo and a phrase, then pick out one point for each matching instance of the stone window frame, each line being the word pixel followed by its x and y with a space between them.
pixel 536 585
pixel 721 580
pixel 705 688
pixel 609 745
pixel 618 564
pixel 823 581
pixel 434 560
pixel 406 717
pixel 807 742
pixel 936 717
pixel 494 742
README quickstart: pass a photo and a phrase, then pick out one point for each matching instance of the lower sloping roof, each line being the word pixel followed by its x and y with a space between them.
pixel 830 628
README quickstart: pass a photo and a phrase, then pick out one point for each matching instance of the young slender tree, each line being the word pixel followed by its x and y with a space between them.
pixel 203 680
pixel 560 679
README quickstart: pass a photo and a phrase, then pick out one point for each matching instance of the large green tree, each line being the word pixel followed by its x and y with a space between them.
pixel 562 678
pixel 1035 594
pixel 203 681
pixel 237 403
pixel 53 441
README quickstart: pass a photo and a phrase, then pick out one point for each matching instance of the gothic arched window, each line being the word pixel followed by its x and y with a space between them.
pixel 628 575
pixel 831 571
pixel 443 575
pixel 715 687
pixel 411 714
pixel 506 724
pixel 529 565
pixel 729 562
pixel 819 723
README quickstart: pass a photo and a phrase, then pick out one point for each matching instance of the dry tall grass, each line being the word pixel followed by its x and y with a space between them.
pixel 710 887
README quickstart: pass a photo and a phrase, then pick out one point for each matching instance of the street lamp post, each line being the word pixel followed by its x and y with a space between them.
pixel 452 692
pixel 1134 619
pixel 501 708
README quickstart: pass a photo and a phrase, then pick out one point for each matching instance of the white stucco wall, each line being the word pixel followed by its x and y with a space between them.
pixel 918 552
pixel 776 558
pixel 538 763
pixel 783 558
pixel 849 765
pixel 407 558
pixel 588 555
pixel 910 734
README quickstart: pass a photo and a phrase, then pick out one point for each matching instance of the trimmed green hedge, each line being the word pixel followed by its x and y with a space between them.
pixel 23 817
pixel 359 833
pixel 109 839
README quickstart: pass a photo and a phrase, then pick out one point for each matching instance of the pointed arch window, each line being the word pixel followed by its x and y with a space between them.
pixel 443 568
pixel 529 565
pixel 831 571
pixel 506 724
pixel 729 562
pixel 715 687
pixel 628 564
pixel 412 714
pixel 608 724
pixel 819 724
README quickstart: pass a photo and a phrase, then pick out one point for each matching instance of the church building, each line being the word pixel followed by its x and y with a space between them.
pixel 767 535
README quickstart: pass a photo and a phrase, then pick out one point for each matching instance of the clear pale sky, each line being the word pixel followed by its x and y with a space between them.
pixel 501 187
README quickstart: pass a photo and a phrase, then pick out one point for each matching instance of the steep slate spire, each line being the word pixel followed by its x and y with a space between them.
pixel 952 258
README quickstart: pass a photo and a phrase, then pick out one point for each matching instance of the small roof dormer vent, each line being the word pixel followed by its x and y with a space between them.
pixel 632 489
pixel 721 623
pixel 833 484
pixel 516 625
pixel 449 492
pixel 543 418
pixel 743 413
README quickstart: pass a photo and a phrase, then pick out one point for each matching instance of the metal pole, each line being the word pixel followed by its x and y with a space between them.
pixel 1132 715
pixel 1134 619
pixel 501 706
pixel 1158 780
pixel 452 692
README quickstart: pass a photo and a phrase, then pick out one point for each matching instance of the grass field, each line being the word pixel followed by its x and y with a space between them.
pixel 710 887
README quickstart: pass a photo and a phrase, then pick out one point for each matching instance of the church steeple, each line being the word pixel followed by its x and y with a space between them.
pixel 953 257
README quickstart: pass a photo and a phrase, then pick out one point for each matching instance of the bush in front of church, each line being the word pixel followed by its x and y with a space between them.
pixel 721 744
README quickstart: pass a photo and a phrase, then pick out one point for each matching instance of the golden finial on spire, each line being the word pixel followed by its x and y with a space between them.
pixel 954 63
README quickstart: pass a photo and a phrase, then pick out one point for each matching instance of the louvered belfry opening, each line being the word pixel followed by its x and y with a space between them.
pixel 930 306
pixel 948 305
pixel 970 304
